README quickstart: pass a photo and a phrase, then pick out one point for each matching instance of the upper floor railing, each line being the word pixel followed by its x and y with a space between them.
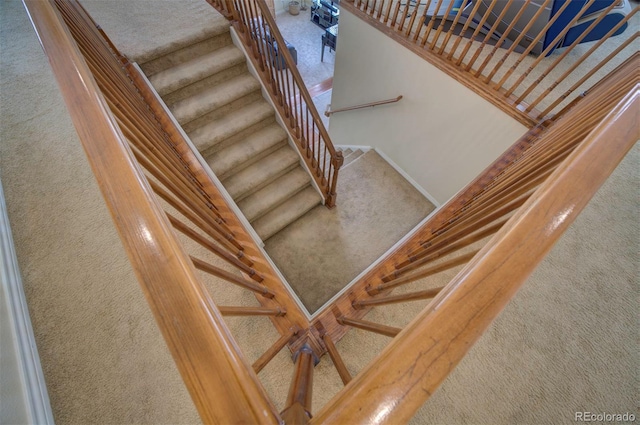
pixel 279 72
pixel 175 224
pixel 488 45
pixel 495 232
pixel 177 229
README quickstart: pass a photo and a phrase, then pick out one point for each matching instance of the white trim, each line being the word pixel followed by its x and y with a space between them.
pixel 34 389
pixel 354 147
pixel 229 200
pixel 265 94
pixel 408 178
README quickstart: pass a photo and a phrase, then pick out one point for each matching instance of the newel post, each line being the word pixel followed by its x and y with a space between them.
pixel 336 161
pixel 298 410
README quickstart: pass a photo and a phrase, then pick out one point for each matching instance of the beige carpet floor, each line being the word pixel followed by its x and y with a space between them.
pixel 307 39
pixel 568 342
pixel 323 251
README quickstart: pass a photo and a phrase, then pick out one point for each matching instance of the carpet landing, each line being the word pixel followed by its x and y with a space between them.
pixel 324 250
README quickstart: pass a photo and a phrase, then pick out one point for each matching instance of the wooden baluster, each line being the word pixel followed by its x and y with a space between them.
pixel 504 36
pixel 413 18
pixel 422 273
pixel 336 358
pixel 531 45
pixel 517 41
pixel 588 75
pixel 178 192
pixel 223 254
pixel 465 27
pixel 386 15
pixel 441 26
pixel 453 26
pixel 421 25
pixel 380 9
pixel 475 32
pixel 546 51
pixel 298 410
pixel 268 355
pixel 467 224
pixel 416 261
pixel 405 12
pixel 217 234
pixel 394 19
pixel 489 34
pixel 425 37
pixel 577 63
pixel 251 311
pixel 565 51
pixel 394 299
pixel 162 165
pixel 231 278
pixel 369 326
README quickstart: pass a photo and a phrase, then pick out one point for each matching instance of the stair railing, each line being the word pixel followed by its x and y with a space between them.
pixel 523 203
pixel 269 54
pixel 330 112
pixel 157 190
pixel 521 85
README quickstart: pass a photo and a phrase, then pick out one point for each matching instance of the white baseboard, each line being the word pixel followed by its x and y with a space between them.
pixel 230 202
pixel 354 147
pixel 408 178
pixel 26 398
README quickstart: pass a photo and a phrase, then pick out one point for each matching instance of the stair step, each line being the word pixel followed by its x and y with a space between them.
pixel 346 152
pixel 266 199
pixel 286 213
pixel 351 157
pixel 247 151
pixel 258 175
pixel 214 132
pixel 183 50
pixel 214 98
pixel 196 69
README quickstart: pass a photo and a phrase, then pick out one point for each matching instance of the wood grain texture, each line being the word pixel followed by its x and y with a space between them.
pixel 222 385
pixel 435 341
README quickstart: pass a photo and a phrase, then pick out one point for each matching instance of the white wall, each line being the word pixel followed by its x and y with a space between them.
pixel 441 133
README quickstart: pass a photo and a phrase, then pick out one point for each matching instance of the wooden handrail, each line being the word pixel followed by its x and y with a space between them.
pixel 287 89
pixel 329 112
pixel 221 383
pixel 225 389
pixel 441 335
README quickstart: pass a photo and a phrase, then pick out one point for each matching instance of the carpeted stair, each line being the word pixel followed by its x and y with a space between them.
pixel 206 84
pixel 350 156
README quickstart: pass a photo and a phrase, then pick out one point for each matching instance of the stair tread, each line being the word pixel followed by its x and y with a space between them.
pixel 249 149
pixel 215 28
pixel 260 174
pixel 352 156
pixel 217 96
pixel 215 131
pixel 286 213
pixel 266 199
pixel 196 69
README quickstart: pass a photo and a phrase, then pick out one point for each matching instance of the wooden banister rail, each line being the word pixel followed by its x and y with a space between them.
pixel 504 87
pixel 277 69
pixel 330 112
pixel 440 336
pixel 223 386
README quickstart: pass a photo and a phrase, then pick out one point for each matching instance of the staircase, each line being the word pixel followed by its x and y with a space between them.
pixel 350 155
pixel 207 86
